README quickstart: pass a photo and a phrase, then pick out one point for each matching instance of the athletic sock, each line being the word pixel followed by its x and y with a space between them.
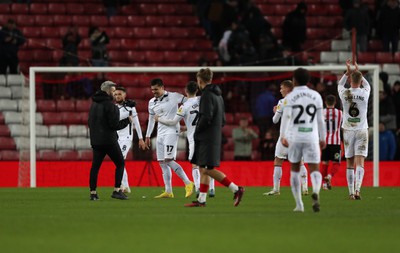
pixel 212 184
pixel 304 177
pixel 124 182
pixel 296 188
pixel 196 177
pixel 179 171
pixel 167 175
pixel 359 177
pixel 316 181
pixel 277 178
pixel 228 183
pixel 350 180
pixel 203 193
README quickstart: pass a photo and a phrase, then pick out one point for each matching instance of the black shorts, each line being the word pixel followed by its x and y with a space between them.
pixel 332 153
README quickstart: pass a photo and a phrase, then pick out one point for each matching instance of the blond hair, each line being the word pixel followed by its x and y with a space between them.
pixel 356 77
pixel 287 84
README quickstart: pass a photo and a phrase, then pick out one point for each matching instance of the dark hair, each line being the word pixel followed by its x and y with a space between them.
pixel 192 87
pixel 330 100
pixel 301 76
pixel 157 81
pixel 92 29
pixel 205 75
pixel 120 88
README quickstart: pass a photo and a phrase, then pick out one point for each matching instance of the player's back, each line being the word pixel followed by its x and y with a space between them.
pixel 303 104
pixel 190 113
pixel 333 122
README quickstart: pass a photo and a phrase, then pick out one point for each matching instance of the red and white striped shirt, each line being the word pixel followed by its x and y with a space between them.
pixel 333 120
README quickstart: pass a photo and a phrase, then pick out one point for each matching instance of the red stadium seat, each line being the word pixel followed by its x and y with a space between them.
pixel 25 55
pixel 49 155
pixel 75 8
pixel 94 9
pixel 25 20
pixel 43 20
pixel 82 105
pixel 136 21
pixel 69 155
pixel 204 45
pixel 384 57
pixel 118 21
pixel 45 105
pixel 316 9
pixel 148 44
pixel 227 130
pixel 65 106
pixel 114 45
pixel 42 56
pixel 266 9
pixel 366 57
pixel 166 9
pixel 18 8
pixel 179 32
pixel 172 56
pixel 184 9
pixel 51 32
pixel 190 21
pixel 160 33
pixel 185 44
pixel 71 118
pixel 80 20
pixel 57 55
pixel 7 143
pixel 38 8
pixel 128 9
pixel 83 31
pixel 54 44
pixel 136 56
pixel 56 8
pixel 5 10
pixel 333 10
pixel 152 21
pixel 119 56
pixel 123 32
pixel 129 44
pixel 167 45
pixel 9 155
pixel 228 156
pixel 375 45
pixel 397 57
pixel 99 21
pixel 31 32
pixel 4 131
pixel 142 32
pixel 171 21
pixel 148 9
pixel 85 155
pixel 154 56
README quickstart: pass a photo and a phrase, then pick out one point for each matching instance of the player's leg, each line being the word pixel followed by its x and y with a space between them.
pixel 325 166
pixel 114 152
pixel 204 183
pixel 280 156
pixel 211 192
pixel 309 151
pixel 166 171
pixel 294 156
pixel 348 137
pixel 304 178
pixel 125 147
pixel 361 151
pixel 195 168
pixel 98 156
pixel 335 157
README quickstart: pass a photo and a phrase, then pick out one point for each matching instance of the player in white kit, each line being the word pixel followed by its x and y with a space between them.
pixel 189 112
pixel 165 104
pixel 281 151
pixel 125 135
pixel 355 126
pixel 303 132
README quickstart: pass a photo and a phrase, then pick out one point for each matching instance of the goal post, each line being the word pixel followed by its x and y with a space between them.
pixel 315 68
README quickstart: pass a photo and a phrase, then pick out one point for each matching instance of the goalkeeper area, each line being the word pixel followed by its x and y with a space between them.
pixel 63 220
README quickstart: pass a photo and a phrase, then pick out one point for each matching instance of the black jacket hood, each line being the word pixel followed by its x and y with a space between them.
pixel 101 96
pixel 214 89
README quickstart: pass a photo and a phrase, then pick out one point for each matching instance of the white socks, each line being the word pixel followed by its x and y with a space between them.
pixel 296 189
pixel 304 178
pixel 179 171
pixel 277 177
pixel 196 178
pixel 316 181
pixel 202 197
pixel 124 182
pixel 350 180
pixel 233 187
pixel 212 184
pixel 359 177
pixel 167 175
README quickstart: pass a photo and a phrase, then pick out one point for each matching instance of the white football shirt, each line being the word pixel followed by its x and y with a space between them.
pixel 125 133
pixel 302 116
pixel 189 111
pixel 165 106
pixel 279 111
pixel 355 104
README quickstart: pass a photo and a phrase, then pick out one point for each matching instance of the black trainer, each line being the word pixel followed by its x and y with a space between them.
pixel 315 199
pixel 119 195
pixel 94 196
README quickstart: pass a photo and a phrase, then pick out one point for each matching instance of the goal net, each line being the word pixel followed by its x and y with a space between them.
pixel 59 98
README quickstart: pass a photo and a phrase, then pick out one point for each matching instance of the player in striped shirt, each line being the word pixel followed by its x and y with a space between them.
pixel 355 126
pixel 332 152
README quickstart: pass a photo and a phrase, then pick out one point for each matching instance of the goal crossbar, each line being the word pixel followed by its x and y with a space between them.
pixel 335 68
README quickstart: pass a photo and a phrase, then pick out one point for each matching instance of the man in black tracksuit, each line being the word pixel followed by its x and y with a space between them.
pixel 207 139
pixel 103 125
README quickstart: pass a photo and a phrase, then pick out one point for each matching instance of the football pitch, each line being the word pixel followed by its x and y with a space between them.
pixel 64 220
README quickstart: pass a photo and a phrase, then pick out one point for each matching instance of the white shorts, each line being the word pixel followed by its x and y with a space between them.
pixel 310 152
pixel 125 146
pixel 191 149
pixel 280 150
pixel 166 146
pixel 355 142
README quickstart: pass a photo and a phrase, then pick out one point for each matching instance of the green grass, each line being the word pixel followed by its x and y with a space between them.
pixel 64 220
